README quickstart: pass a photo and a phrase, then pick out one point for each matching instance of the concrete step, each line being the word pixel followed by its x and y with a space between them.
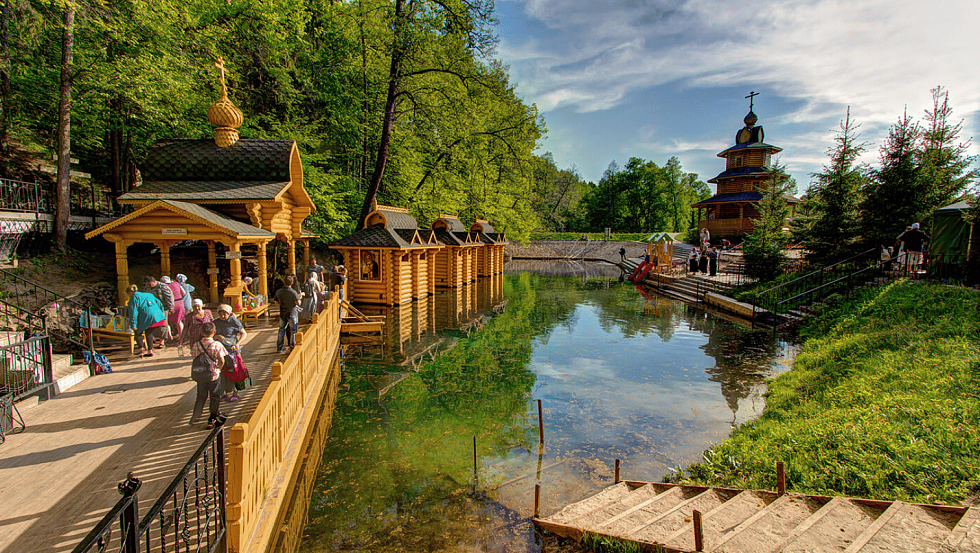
pixel 67 373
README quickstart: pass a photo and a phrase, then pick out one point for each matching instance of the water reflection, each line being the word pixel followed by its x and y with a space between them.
pixel 651 381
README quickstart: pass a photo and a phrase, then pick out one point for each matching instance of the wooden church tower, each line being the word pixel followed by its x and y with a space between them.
pixel 732 211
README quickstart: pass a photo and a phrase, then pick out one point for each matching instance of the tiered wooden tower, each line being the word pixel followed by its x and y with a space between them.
pixel 748 168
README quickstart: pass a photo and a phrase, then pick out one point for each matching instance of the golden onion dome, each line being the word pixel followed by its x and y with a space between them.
pixel 223 114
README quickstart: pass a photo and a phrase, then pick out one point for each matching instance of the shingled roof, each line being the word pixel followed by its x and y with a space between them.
pixel 203 160
pixel 205 190
pixel 448 238
pixel 752 196
pixel 198 170
pixel 381 237
pixel 453 222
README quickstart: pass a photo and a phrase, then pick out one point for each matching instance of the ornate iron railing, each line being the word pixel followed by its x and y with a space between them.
pixel 188 517
pixel 44 311
pixel 25 369
pixel 30 197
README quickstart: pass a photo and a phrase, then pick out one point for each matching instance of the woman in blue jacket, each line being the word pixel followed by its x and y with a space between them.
pixel 147 320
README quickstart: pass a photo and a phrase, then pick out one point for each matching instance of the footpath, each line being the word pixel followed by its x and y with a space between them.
pixel 58 477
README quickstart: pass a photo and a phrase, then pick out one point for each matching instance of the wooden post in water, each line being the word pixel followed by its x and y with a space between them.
pixel 616 477
pixel 537 498
pixel 540 424
pixel 780 478
pixel 698 534
pixel 475 477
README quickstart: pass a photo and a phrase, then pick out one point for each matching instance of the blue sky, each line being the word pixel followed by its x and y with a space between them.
pixel 660 78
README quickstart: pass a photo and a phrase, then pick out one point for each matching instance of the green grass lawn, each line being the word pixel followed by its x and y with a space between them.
pixel 882 402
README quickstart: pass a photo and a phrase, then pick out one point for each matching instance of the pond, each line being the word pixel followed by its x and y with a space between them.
pixel 653 382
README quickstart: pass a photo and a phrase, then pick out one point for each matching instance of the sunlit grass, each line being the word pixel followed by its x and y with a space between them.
pixel 883 401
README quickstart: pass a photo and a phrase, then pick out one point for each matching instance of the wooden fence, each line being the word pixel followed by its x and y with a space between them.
pixel 264 450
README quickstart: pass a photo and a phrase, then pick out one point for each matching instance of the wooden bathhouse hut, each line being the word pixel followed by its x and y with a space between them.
pixel 490 257
pixel 390 261
pixel 225 190
pixel 456 262
pixel 733 210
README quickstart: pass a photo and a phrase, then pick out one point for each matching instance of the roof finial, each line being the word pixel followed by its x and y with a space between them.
pixel 220 64
pixel 751 98
pixel 223 114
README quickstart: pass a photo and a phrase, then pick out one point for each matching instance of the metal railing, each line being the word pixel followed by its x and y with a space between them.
pixel 30 197
pixel 769 300
pixel 44 311
pixel 25 367
pixel 188 516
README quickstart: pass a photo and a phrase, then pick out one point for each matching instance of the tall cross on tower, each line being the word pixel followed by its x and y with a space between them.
pixel 751 98
pixel 220 64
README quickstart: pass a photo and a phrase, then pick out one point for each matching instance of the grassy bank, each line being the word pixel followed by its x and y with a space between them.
pixel 883 401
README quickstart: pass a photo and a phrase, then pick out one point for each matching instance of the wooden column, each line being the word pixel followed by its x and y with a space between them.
pixel 291 256
pixel 212 273
pixel 236 265
pixel 416 277
pixel 263 270
pixel 122 271
pixel 164 257
pixel 306 253
pixel 431 258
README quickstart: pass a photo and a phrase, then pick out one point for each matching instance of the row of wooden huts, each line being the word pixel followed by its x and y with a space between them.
pixel 392 261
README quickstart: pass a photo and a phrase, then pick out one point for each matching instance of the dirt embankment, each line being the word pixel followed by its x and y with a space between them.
pixel 590 250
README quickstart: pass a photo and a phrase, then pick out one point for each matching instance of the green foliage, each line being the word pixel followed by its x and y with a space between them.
pixel 643 197
pixel 763 249
pixel 607 544
pixel 314 71
pixel 833 231
pixel 882 401
pixel 623 236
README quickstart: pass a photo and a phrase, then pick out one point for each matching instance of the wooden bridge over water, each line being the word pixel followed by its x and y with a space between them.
pixel 677 518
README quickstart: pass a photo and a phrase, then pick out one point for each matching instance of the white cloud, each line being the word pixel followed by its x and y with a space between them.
pixel 873 54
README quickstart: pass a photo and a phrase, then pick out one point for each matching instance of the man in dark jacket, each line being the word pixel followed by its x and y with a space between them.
pixel 288 300
pixel 913 242
pixel 161 291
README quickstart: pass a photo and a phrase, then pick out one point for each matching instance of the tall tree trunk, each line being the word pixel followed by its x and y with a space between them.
pixel 394 77
pixel 63 188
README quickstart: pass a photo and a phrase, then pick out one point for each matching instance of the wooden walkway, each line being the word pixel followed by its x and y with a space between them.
pixel 59 476
pixel 661 517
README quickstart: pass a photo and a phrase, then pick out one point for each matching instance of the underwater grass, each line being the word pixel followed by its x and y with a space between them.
pixel 881 402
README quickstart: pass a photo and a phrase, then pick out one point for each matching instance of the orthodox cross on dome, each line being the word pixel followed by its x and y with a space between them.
pixel 751 98
pixel 220 64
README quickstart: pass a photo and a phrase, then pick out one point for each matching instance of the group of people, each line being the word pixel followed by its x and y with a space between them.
pixel 703 260
pixel 164 310
pixel 298 302
pixel 910 246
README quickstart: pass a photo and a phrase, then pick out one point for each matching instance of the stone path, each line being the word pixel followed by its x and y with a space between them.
pixel 59 476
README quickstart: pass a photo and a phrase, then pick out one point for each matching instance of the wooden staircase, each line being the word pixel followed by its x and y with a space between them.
pixel 662 517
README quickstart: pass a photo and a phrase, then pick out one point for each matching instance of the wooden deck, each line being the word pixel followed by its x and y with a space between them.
pixel 59 476
pixel 661 517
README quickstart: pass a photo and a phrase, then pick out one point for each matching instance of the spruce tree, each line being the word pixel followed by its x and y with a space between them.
pixel 895 195
pixel 837 189
pixel 944 164
pixel 763 249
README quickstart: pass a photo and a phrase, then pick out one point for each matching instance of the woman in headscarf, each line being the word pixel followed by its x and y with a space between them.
pixel 692 261
pixel 176 317
pixel 311 298
pixel 194 320
pixel 208 380
pixel 146 318
pixel 230 332
pixel 182 280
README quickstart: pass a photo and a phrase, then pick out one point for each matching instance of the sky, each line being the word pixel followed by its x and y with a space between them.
pixel 616 79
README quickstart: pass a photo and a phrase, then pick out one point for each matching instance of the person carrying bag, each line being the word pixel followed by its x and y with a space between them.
pixel 206 367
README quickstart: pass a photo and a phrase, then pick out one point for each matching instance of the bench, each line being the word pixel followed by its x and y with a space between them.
pixel 253 314
pixel 116 329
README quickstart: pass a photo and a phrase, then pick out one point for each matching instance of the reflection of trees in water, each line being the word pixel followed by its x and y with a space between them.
pixel 398 463
pixel 743 357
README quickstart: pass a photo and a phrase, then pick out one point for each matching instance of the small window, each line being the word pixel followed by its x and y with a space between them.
pixel 738 161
